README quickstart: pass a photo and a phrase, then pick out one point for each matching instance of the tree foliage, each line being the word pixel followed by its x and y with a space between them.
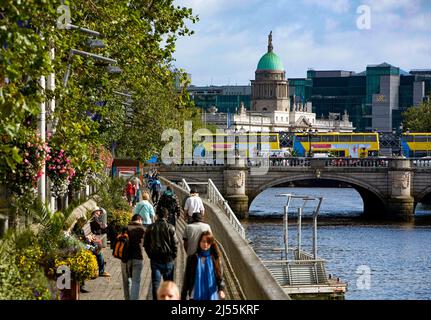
pixel 418 119
pixel 139 34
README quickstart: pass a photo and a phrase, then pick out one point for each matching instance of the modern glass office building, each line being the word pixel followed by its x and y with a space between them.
pixel 374 99
pixel 227 99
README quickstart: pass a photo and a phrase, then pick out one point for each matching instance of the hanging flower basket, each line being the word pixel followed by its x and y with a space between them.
pixel 59 171
pixel 23 180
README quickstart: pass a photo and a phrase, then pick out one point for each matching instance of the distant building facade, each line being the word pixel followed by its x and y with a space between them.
pixel 372 100
pixel 272 107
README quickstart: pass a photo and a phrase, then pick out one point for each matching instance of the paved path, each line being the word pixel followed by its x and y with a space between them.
pixel 111 288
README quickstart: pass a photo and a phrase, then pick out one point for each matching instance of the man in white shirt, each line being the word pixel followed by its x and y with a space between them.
pixel 193 232
pixel 193 204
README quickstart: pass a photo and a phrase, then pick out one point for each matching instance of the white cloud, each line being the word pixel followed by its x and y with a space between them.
pixel 337 6
pixel 409 6
pixel 331 24
pixel 227 47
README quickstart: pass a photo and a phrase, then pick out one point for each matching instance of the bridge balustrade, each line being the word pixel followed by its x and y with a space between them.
pixel 421 162
pixel 356 162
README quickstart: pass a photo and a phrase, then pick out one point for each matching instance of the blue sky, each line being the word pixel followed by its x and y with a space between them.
pixel 231 36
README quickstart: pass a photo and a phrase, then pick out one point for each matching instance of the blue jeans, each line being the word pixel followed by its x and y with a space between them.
pixel 100 262
pixel 131 272
pixel 158 270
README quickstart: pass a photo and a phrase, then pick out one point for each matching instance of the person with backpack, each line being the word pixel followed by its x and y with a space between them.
pixel 131 257
pixel 156 188
pixel 169 201
pixel 161 246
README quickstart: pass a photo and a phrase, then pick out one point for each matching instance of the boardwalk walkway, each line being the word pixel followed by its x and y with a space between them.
pixel 112 288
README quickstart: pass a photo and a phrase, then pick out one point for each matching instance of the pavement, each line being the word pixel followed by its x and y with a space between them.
pixel 111 288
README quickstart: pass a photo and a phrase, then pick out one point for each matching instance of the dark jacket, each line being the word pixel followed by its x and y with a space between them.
pixel 171 203
pixel 96 226
pixel 189 276
pixel 160 241
pixel 135 230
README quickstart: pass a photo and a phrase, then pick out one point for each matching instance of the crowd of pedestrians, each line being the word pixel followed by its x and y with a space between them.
pixel 153 229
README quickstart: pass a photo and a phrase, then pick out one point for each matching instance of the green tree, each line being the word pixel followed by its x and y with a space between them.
pixel 418 119
pixel 139 35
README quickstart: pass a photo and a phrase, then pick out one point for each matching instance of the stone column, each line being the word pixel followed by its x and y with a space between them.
pixel 234 184
pixel 400 204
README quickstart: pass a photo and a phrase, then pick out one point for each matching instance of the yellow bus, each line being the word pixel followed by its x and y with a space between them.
pixel 249 144
pixel 337 144
pixel 416 145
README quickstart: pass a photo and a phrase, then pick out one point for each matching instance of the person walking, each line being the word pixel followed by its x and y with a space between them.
pixel 131 270
pixel 193 232
pixel 137 184
pixel 130 192
pixel 169 201
pixel 146 210
pixel 193 204
pixel 203 279
pixel 156 188
pixel 161 245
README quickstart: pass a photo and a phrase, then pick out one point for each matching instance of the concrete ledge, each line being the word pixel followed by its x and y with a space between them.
pixel 255 280
pixel 80 211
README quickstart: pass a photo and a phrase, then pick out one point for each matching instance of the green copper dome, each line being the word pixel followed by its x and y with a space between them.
pixel 270 61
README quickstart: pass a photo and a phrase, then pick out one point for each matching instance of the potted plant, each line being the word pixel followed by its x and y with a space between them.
pixel 83 266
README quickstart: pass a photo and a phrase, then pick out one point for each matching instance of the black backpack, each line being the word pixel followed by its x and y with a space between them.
pixel 121 247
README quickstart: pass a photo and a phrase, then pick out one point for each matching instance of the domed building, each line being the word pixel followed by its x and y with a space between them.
pixel 272 109
pixel 270 89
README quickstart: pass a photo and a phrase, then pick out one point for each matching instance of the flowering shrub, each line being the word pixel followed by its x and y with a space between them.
pixel 23 180
pixel 59 171
pixel 105 157
pixel 83 265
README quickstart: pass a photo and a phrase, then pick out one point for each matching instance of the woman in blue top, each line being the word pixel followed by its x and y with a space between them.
pixel 146 210
pixel 203 279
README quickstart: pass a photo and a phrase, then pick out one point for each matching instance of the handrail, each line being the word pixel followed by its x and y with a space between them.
pixel 185 185
pixel 215 197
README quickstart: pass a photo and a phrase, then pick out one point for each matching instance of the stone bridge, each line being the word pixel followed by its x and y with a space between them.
pixel 390 188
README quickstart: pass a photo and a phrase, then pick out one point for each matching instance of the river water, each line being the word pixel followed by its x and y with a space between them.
pixel 377 260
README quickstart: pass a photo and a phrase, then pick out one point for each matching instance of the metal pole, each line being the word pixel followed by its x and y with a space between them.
pixel 51 103
pixel 316 212
pixel 315 237
pixel 299 230
pixel 286 230
pixel 42 130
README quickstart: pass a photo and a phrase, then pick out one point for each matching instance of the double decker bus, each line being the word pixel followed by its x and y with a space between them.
pixel 250 144
pixel 337 144
pixel 416 145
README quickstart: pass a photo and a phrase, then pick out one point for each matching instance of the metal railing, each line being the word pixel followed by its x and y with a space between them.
pixel 215 197
pixel 185 185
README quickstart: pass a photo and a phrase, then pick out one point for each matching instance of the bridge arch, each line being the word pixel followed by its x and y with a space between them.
pixel 424 194
pixel 374 201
